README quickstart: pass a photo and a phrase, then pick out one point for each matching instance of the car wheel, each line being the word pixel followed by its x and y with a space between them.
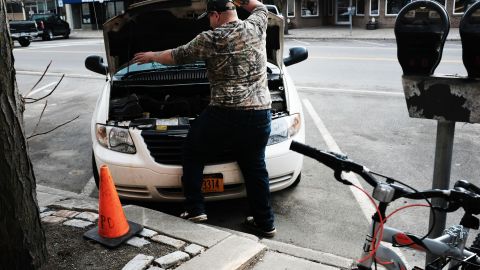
pixel 24 42
pixel 96 176
pixel 66 36
pixel 297 181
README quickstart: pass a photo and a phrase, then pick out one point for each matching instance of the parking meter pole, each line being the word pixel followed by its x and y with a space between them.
pixel 441 176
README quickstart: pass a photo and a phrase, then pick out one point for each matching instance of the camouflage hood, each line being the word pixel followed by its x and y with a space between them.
pixel 155 25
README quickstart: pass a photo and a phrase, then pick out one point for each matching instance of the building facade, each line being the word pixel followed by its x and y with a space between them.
pixel 313 13
pixel 91 14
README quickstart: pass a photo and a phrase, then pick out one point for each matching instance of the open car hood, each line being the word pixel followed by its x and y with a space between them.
pixel 156 25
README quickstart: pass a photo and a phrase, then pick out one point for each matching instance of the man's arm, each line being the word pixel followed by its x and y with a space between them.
pixel 248 5
pixel 162 57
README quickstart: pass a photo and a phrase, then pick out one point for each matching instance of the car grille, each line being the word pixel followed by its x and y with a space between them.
pixel 174 75
pixel 167 148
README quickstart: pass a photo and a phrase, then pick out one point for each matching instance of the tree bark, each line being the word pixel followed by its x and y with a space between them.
pixel 22 239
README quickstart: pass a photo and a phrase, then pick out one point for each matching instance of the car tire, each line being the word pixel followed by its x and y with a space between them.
pixel 96 176
pixel 24 42
pixel 48 35
pixel 297 181
pixel 66 36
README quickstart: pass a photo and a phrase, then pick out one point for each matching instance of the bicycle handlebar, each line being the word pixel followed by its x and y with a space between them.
pixel 335 161
pixel 464 194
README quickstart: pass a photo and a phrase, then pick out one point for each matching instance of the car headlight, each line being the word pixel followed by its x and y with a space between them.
pixel 115 138
pixel 284 128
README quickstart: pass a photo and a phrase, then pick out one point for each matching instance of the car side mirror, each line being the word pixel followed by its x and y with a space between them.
pixel 296 55
pixel 95 64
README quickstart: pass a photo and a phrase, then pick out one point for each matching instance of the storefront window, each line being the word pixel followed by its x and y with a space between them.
pixel 392 7
pixel 309 8
pixel 291 8
pixel 360 7
pixel 86 19
pixel 460 6
pixel 374 8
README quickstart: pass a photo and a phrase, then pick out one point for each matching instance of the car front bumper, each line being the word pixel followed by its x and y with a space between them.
pixel 139 177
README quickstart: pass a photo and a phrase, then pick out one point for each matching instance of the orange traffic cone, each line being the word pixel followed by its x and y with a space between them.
pixel 113 227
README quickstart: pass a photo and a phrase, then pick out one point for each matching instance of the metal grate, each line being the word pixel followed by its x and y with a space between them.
pixel 167 148
pixel 174 75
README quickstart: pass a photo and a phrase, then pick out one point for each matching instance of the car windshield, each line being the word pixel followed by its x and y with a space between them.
pixel 40 17
pixel 135 68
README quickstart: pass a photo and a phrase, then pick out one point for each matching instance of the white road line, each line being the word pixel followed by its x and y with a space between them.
pixel 41 88
pixel 352 91
pixel 364 203
pixel 355 58
pixel 89 187
pixel 56 45
pixel 303 42
pixel 369 42
pixel 368 47
pixel 83 52
pixel 38 73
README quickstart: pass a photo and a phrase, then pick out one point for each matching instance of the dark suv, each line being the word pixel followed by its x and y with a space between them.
pixel 50 25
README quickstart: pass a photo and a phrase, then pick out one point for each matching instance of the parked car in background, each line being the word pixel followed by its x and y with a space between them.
pixel 23 31
pixel 144 112
pixel 51 25
pixel 273 9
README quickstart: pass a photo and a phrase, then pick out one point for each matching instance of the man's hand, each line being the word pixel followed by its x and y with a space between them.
pixel 144 57
pixel 248 5
pixel 162 57
pixel 239 3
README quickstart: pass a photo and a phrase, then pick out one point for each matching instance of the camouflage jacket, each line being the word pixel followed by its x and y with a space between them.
pixel 236 60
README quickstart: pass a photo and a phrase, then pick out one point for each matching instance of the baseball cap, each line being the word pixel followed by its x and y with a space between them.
pixel 218 6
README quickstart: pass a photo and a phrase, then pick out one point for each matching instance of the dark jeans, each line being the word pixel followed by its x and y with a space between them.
pixel 246 132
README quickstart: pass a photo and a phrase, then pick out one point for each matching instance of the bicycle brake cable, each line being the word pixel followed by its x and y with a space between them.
pixel 432 208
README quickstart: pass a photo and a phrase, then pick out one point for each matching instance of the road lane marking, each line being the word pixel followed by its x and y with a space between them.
pixel 57 74
pixel 365 205
pixel 303 42
pixel 41 88
pixel 89 187
pixel 55 45
pixel 351 91
pixel 91 52
pixel 369 43
pixel 350 58
pixel 454 47
pixel 364 202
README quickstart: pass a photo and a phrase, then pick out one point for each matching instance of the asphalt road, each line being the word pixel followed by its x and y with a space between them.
pixel 352 87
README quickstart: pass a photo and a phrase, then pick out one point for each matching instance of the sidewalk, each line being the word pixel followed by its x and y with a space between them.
pixel 201 246
pixel 315 33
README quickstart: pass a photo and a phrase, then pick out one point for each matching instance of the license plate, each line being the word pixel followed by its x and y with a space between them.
pixel 212 183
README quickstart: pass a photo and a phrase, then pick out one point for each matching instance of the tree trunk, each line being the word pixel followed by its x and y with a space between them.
pixel 22 240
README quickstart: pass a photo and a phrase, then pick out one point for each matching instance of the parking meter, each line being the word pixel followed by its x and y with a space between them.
pixel 421 28
pixel 470 34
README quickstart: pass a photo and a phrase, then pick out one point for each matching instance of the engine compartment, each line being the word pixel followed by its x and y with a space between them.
pixel 142 103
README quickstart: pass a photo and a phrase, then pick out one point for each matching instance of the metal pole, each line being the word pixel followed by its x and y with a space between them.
pixel 441 175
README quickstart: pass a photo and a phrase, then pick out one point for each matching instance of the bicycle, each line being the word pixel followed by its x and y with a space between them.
pixel 449 248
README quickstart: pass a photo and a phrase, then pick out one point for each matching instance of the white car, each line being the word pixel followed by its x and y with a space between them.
pixel 273 9
pixel 144 111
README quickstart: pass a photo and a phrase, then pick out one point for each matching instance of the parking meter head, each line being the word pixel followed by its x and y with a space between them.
pixel 421 28
pixel 470 34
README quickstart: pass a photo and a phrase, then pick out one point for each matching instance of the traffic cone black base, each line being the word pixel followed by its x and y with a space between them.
pixel 113 242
